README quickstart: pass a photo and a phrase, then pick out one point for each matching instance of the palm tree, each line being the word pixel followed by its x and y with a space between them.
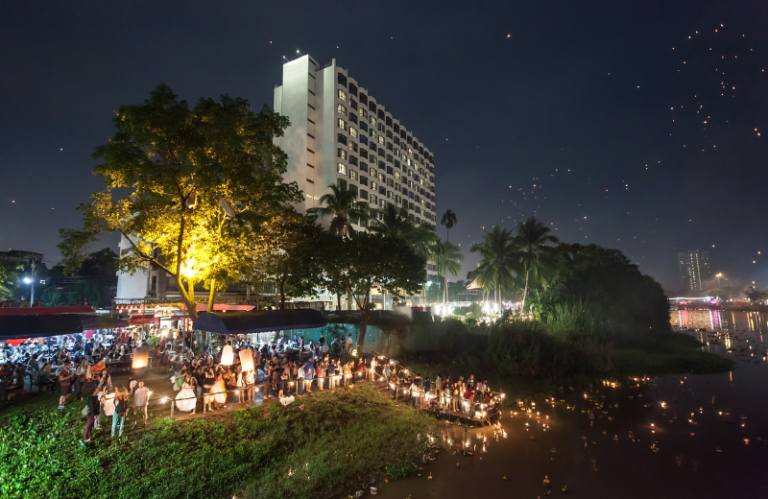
pixel 447 256
pixel 449 220
pixel 394 223
pixel 343 206
pixel 535 255
pixel 499 258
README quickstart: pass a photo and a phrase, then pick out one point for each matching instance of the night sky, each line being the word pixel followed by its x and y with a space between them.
pixel 635 125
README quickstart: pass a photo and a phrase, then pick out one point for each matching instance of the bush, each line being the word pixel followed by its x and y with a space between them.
pixel 319 446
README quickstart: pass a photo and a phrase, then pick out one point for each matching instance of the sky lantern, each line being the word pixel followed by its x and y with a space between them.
pixel 140 357
pixel 246 359
pixel 227 356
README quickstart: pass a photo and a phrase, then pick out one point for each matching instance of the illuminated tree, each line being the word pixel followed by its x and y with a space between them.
pixel 189 189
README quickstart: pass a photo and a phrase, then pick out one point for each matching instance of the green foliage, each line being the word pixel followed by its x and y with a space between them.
pixel 154 341
pixel 400 470
pixel 345 209
pixel 499 261
pixel 193 185
pixel 319 447
pixel 604 283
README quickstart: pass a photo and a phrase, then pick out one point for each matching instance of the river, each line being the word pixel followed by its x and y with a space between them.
pixel 686 436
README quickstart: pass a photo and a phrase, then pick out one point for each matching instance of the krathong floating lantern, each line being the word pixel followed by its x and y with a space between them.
pixel 140 357
pixel 227 356
pixel 246 359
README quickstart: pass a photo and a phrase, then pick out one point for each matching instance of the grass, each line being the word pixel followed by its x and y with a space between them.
pixel 319 446
pixel 664 353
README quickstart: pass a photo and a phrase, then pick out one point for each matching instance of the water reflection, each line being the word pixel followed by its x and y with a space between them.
pixel 672 436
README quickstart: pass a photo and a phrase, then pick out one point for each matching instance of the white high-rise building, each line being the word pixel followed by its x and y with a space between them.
pixel 341 135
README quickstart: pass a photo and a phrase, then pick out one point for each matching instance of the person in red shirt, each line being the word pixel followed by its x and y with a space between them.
pixel 65 383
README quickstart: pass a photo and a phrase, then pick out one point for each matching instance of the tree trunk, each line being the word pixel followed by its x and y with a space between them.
pixel 189 303
pixel 525 291
pixel 365 316
pixel 282 293
pixel 338 301
pixel 212 295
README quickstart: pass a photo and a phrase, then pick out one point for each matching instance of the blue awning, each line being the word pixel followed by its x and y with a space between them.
pixel 259 321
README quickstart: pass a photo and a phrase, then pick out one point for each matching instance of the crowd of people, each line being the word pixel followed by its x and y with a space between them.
pixel 209 380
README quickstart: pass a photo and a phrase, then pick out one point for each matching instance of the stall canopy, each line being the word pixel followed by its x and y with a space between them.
pixel 38 326
pixel 258 321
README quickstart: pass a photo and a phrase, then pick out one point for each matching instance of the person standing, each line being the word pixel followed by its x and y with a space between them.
pixel 349 344
pixel 94 406
pixel 65 382
pixel 343 344
pixel 121 405
pixel 81 378
pixel 309 375
pixel 140 403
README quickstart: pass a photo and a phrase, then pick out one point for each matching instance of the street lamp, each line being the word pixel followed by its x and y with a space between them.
pixel 28 280
pixel 719 275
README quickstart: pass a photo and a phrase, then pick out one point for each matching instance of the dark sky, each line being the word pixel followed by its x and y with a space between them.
pixel 635 125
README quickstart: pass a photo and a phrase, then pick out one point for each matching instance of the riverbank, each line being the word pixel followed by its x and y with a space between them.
pixel 524 360
pixel 320 446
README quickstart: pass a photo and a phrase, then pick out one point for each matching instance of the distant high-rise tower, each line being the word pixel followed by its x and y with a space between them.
pixel 694 269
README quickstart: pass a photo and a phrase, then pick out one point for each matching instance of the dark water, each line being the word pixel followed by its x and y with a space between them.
pixel 696 436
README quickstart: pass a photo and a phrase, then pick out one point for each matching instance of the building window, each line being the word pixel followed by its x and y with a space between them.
pixel 342 95
pixel 353 189
pixel 381 140
pixel 397 175
pixel 341 153
pixel 353 146
pixel 341 183
pixel 352 131
pixel 374 185
pixel 363 193
pixel 364 166
pixel 374 199
pixel 373 133
pixel 342 139
pixel 352 89
pixel 342 124
pixel 373 121
pixel 341 109
pixel 410 196
pixel 352 104
pixel 408 160
pixel 341 168
pixel 381 114
pixel 342 80
pixel 352 174
pixel 363 140
pixel 363 112
pixel 363 99
pixel 372 107
pixel 353 118
pixel 353 160
pixel 363 180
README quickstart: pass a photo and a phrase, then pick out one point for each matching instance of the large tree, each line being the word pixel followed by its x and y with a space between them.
pixel 499 260
pixel 388 263
pixel 188 189
pixel 344 209
pixel 291 254
pixel 535 255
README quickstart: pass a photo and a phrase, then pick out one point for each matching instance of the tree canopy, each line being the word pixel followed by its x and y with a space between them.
pixel 189 189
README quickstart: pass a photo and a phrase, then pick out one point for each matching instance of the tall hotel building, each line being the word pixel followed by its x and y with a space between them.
pixel 342 135
pixel 694 269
